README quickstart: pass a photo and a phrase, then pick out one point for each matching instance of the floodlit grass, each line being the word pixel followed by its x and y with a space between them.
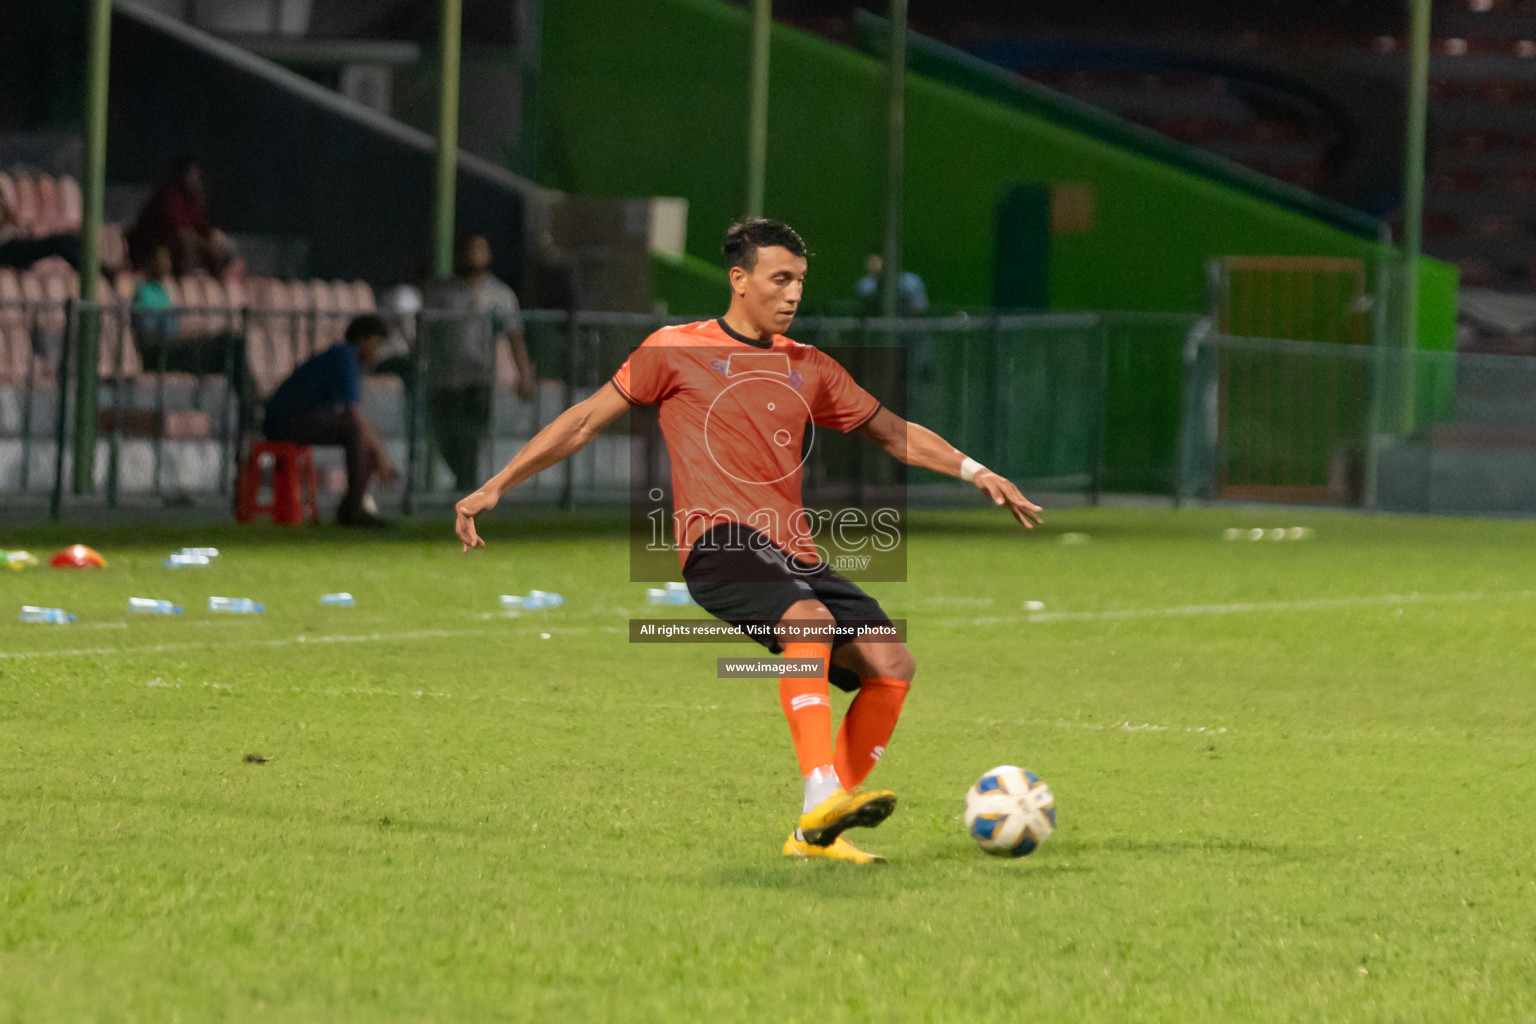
pixel 1294 783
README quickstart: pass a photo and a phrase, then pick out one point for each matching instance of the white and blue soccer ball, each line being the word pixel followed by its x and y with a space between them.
pixel 1010 811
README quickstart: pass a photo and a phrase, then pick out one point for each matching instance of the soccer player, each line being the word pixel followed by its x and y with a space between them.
pixel 735 397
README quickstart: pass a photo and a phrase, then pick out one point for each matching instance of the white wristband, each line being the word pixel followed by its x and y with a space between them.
pixel 969 468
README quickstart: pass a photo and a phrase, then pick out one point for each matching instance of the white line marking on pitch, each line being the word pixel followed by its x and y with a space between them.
pixel 1316 604
pixel 364 638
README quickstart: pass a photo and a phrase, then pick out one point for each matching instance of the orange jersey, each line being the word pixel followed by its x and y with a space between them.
pixel 735 414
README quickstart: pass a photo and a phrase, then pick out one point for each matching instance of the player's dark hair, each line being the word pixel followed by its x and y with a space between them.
pixel 364 327
pixel 745 237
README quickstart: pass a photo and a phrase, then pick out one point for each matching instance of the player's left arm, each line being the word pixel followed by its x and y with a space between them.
pixel 916 445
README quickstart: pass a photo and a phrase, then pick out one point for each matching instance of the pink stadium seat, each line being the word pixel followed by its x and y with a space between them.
pixel 15 354
pixel 301 319
pixel 235 296
pixel 116 352
pixel 125 285
pixel 114 246
pixel 8 191
pixel 11 313
pixel 189 298
pixel 362 298
pixel 341 295
pixel 24 206
pixel 71 209
pixel 50 211
pixel 31 286
pixel 329 325
pixel 217 302
pixel 258 356
pixel 271 321
pixel 56 290
pixel 282 354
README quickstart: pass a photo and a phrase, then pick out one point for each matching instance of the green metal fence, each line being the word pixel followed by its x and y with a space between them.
pixel 1358 425
pixel 1084 401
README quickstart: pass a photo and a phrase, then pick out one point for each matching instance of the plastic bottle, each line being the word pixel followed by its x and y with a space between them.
pixel 209 553
pixel 672 593
pixel 536 599
pixel 237 605
pixel 342 600
pixel 153 607
pixel 57 616
pixel 182 560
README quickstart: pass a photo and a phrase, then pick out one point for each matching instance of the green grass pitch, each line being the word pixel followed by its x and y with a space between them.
pixel 1294 782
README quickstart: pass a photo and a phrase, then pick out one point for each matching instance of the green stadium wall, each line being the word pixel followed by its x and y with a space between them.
pixel 651 99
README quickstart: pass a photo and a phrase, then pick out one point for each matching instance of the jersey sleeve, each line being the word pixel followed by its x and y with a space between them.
pixel 840 402
pixel 647 375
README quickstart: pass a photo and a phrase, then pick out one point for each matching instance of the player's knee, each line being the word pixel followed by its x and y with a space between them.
pixel 892 661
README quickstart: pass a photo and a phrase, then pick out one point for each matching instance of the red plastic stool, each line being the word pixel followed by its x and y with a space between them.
pixel 293 484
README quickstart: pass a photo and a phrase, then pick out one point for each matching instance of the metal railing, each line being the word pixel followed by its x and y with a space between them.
pixel 1358 425
pixel 1090 402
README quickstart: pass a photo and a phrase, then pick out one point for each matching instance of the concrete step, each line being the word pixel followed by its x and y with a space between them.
pixel 1418 476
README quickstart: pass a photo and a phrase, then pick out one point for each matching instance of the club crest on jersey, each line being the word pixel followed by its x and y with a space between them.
pixel 796 378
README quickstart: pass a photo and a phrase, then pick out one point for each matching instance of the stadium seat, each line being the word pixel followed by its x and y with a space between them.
pixel 24 206
pixel 293 484
pixel 117 355
pixel 195 321
pixel 217 319
pixel 15 354
pixel 258 357
pixel 56 287
pixel 328 324
pixel 283 326
pixel 8 190
pixel 114 246
pixel 50 211
pixel 11 312
pixel 236 300
pixel 362 298
pixel 71 208
pixel 125 284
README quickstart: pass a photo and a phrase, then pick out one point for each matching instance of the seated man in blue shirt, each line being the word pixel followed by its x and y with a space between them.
pixel 320 404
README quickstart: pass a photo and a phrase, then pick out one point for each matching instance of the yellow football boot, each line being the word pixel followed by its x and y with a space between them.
pixel 841 850
pixel 844 810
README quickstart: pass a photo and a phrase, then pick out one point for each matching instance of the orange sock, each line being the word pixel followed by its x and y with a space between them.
pixel 867 727
pixel 808 708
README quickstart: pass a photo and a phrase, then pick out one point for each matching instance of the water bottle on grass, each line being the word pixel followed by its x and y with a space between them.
pixel 150 606
pixel 57 616
pixel 672 593
pixel 237 605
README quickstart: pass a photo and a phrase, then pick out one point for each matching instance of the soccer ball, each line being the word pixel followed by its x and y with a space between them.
pixel 1009 811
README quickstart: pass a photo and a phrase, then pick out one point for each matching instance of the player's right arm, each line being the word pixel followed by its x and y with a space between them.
pixel 566 435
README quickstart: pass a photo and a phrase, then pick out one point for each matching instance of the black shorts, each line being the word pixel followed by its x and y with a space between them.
pixel 739 576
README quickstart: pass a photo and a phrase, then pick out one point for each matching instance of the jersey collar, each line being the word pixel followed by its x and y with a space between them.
pixel 754 342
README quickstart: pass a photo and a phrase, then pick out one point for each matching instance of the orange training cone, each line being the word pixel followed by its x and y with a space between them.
pixel 78 556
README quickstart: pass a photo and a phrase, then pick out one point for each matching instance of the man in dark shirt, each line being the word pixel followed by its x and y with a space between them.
pixel 321 404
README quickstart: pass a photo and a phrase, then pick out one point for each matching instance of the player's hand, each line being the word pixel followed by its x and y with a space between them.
pixel 1002 492
pixel 465 512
